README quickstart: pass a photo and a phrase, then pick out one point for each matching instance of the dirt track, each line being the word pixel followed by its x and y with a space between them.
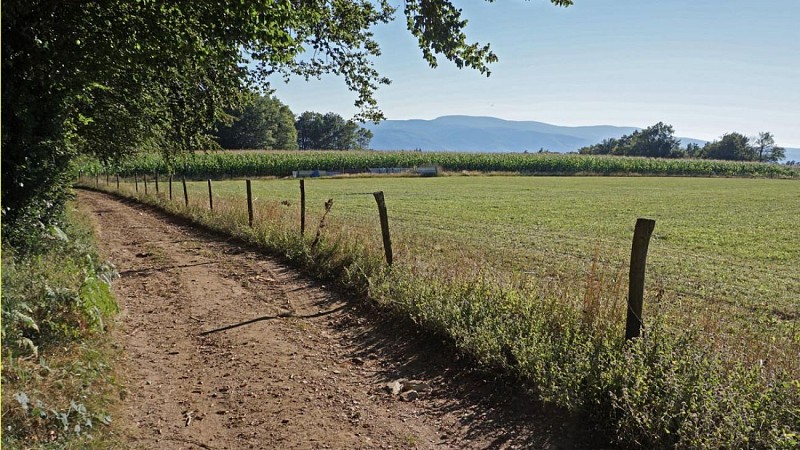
pixel 309 373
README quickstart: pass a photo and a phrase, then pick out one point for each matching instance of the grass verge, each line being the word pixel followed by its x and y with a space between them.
pixel 58 379
pixel 560 337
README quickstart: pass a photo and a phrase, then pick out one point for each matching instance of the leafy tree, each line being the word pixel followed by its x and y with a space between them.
pixel 655 141
pixel 765 148
pixel 266 123
pixel 693 150
pixel 330 132
pixel 605 147
pixel 732 146
pixel 109 78
pixel 737 147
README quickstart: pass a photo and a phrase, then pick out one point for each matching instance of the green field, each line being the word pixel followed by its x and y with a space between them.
pixel 529 275
pixel 724 256
pixel 218 164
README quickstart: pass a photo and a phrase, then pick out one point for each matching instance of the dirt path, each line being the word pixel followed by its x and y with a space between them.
pixel 309 373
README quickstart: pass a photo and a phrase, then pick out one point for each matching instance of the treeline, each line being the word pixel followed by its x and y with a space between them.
pixel 266 123
pixel 659 141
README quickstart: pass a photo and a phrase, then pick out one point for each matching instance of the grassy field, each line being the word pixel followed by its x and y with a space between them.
pixel 529 274
pixel 725 252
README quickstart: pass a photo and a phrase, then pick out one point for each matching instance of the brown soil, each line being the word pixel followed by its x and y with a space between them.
pixel 305 368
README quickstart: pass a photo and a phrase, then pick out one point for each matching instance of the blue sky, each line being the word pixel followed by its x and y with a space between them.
pixel 706 67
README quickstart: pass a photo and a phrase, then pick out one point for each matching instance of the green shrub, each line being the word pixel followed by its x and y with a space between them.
pixel 57 370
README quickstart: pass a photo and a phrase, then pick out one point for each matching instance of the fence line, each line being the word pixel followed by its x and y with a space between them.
pixel 404 217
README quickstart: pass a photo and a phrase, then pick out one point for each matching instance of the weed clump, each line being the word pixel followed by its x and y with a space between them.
pixel 57 362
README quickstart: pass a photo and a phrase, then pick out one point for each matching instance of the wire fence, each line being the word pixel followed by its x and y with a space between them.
pixel 725 291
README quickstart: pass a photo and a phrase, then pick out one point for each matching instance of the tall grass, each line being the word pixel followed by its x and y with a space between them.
pixel 240 164
pixel 562 336
pixel 57 375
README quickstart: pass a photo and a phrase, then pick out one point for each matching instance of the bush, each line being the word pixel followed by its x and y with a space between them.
pixel 57 369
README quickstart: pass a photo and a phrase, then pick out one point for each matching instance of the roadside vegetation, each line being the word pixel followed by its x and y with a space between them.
pixel 541 295
pixel 59 385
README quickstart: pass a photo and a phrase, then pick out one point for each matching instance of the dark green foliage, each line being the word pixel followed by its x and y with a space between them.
pixel 55 296
pixel 765 149
pixel 656 141
pixel 732 147
pixel 439 29
pixel 266 123
pixel 330 132
pixel 693 150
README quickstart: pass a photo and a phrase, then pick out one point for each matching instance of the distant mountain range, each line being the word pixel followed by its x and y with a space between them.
pixel 490 134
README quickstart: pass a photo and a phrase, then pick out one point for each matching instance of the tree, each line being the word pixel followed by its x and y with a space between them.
pixel 732 146
pixel 109 78
pixel 330 132
pixel 656 141
pixel 693 150
pixel 605 147
pixel 266 123
pixel 765 148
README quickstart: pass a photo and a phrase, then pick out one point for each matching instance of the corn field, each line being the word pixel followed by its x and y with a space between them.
pixel 282 163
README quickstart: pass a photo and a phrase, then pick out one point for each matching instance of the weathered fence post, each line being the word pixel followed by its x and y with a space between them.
pixel 302 208
pixel 170 187
pixel 641 240
pixel 210 196
pixel 107 183
pixel 156 178
pixel 249 204
pixel 136 180
pixel 185 192
pixel 97 179
pixel 387 242
pixel 117 175
pixel 145 183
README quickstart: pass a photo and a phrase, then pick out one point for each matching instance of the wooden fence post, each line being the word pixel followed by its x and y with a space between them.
pixel 302 208
pixel 387 242
pixel 156 178
pixel 97 179
pixel 145 183
pixel 170 187
pixel 641 240
pixel 117 174
pixel 107 183
pixel 136 180
pixel 185 192
pixel 249 204
pixel 210 196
